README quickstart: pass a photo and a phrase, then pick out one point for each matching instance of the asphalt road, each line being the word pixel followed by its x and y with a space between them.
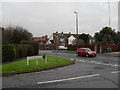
pixel 88 72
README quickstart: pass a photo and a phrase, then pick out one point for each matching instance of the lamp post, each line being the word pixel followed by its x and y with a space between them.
pixel 76 27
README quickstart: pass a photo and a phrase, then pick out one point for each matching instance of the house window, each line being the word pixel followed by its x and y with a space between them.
pixel 61 40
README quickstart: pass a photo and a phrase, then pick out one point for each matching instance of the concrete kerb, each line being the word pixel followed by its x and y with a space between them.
pixel 113 53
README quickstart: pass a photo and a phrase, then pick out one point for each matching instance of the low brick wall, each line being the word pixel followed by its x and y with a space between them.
pixel 114 48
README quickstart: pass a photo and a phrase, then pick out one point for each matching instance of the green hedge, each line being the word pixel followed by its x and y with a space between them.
pixel 30 50
pixel 11 52
pixel 8 52
pixel 24 50
pixel 35 45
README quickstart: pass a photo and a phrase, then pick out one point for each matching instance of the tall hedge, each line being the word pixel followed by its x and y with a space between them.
pixel 11 52
pixel 8 52
pixel 35 45
pixel 30 50
pixel 24 50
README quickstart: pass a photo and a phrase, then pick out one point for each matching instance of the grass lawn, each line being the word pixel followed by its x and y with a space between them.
pixel 21 66
pixel 116 53
pixel 70 51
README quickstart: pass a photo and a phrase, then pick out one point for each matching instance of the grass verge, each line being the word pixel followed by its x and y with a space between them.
pixel 19 67
pixel 70 51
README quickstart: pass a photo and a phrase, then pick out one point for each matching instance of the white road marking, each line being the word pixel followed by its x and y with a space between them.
pixel 68 79
pixel 98 62
pixel 115 72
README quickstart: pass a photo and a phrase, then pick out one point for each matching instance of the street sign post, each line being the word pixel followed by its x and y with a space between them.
pixel 45 58
pixel 33 58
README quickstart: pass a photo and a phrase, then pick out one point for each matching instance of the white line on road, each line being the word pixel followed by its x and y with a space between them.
pixel 115 72
pixel 98 62
pixel 68 79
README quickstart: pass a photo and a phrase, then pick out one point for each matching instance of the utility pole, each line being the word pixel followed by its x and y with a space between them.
pixel 76 27
pixel 109 12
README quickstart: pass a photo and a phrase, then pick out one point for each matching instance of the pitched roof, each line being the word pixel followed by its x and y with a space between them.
pixel 65 35
pixel 44 38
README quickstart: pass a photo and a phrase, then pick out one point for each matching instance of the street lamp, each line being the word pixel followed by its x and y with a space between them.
pixel 76 27
pixel 76 22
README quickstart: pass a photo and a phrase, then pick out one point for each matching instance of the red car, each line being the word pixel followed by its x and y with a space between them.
pixel 86 52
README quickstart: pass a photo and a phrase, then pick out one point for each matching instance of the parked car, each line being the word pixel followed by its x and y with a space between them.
pixel 62 48
pixel 86 52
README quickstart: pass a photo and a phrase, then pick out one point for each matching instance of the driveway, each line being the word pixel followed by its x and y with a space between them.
pixel 88 72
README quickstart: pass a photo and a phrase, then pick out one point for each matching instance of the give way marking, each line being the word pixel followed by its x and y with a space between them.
pixel 74 78
pixel 68 79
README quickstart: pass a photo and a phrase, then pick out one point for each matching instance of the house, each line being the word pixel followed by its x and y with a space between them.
pixel 64 39
pixel 42 40
pixel 71 40
pixel 88 39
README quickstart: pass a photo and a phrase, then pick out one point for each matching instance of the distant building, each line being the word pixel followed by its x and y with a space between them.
pixel 42 40
pixel 64 39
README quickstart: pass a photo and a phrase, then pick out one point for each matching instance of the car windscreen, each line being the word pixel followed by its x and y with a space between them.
pixel 87 49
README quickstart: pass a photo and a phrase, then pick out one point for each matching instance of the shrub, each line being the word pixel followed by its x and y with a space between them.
pixel 11 52
pixel 35 45
pixel 24 50
pixel 30 50
pixel 8 52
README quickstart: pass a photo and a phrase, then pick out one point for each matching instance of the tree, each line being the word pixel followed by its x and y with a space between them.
pixel 15 35
pixel 106 36
pixel 117 39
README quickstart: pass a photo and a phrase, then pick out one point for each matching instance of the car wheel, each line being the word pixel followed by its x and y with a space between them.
pixel 87 55
pixel 78 54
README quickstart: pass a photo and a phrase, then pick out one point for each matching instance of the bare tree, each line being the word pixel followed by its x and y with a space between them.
pixel 15 35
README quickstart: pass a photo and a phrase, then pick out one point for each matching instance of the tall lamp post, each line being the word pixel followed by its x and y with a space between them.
pixel 76 27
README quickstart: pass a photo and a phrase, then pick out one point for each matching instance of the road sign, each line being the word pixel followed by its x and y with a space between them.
pixel 33 58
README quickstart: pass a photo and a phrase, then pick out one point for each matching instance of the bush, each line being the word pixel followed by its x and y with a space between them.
pixel 24 50
pixel 11 52
pixel 8 52
pixel 35 45
pixel 30 50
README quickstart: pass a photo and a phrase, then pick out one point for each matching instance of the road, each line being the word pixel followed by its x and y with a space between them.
pixel 88 72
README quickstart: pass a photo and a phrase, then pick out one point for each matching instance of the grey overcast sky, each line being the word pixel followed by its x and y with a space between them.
pixel 44 18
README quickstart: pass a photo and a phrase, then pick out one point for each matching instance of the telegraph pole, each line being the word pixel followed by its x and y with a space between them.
pixel 109 12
